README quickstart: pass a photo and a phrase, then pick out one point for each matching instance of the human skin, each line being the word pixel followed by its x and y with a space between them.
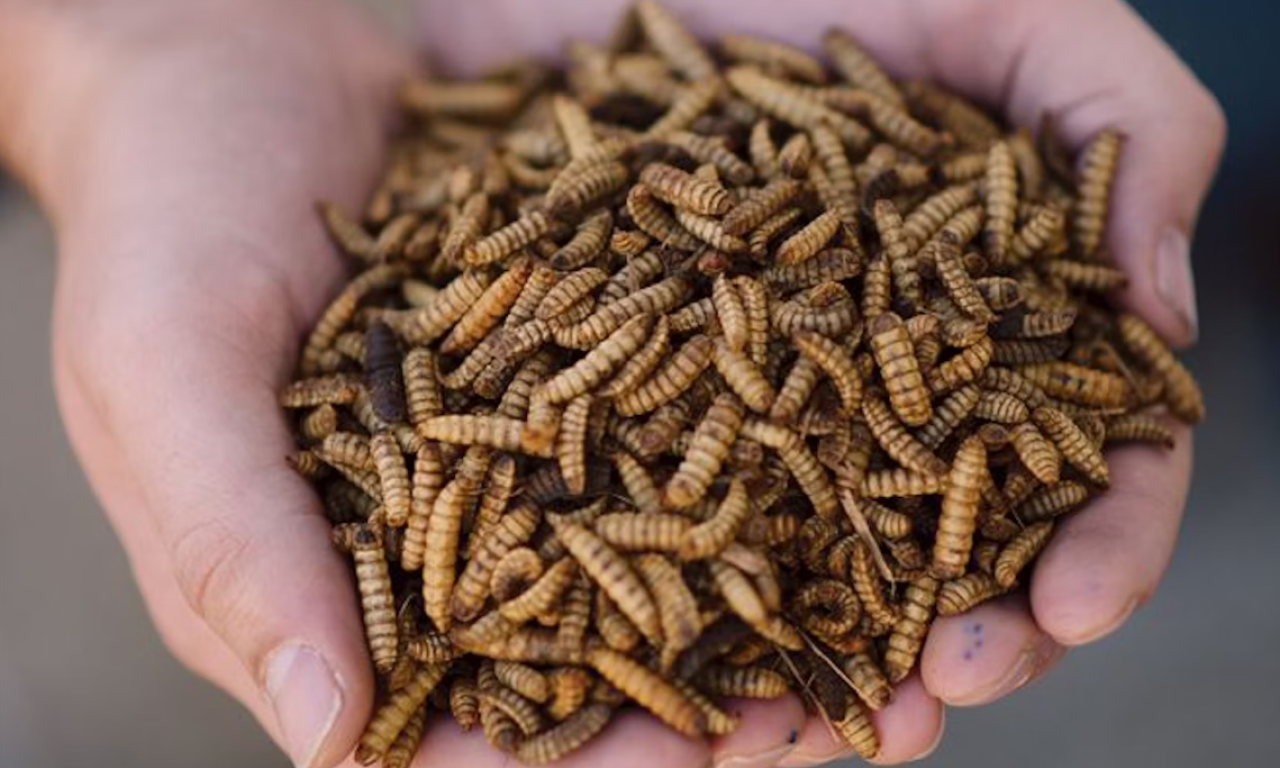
pixel 178 148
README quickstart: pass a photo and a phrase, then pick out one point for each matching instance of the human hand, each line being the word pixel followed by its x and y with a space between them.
pixel 187 210
pixel 179 149
pixel 1092 64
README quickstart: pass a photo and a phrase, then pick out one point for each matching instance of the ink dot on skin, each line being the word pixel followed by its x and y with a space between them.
pixel 793 736
pixel 968 655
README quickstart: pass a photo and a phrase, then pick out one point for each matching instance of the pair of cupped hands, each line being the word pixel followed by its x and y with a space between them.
pixel 179 146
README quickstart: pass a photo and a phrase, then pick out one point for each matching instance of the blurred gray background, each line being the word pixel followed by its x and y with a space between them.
pixel 1193 679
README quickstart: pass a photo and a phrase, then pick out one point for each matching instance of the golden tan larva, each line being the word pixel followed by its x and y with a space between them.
pixel 1182 394
pixel 908 634
pixel 1020 551
pixel 1077 449
pixel 614 575
pixel 709 448
pixel 895 356
pixel 1097 173
pixel 390 719
pixel 960 510
pixel 649 690
pixel 685 191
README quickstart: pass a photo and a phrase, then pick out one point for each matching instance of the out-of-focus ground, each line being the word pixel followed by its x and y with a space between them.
pixel 1190 681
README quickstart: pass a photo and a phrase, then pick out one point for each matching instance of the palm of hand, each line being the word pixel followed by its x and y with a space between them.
pixel 186 288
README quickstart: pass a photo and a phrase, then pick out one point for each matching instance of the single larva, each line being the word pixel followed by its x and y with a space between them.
pixel 908 634
pixel 1076 447
pixel 709 538
pixel 1001 192
pixel 1181 393
pixel 613 574
pixel 677 605
pixel 649 691
pixel 390 719
pixel 743 377
pixel 712 438
pixel 1097 173
pixel 393 477
pixel 899 368
pixel 963 368
pixel 966 593
pixel 1020 551
pixel 858 67
pixel 960 503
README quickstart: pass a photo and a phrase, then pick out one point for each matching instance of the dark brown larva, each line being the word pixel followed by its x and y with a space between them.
pixel 705 370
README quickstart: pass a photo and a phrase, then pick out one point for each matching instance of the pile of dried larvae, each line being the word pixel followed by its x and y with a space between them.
pixel 700 372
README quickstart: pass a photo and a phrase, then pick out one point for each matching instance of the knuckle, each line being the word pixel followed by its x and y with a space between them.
pixel 210 563
pixel 1208 113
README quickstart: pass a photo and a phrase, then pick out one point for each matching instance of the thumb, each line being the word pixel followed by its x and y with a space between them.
pixel 245 542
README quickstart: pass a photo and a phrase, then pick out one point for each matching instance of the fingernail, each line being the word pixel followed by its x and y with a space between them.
pixel 767 759
pixel 1109 626
pixel 1175 282
pixel 306 698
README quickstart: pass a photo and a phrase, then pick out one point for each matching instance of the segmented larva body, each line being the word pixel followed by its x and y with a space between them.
pixel 489 309
pixel 709 538
pixel 1001 190
pixel 1097 173
pixel 649 691
pixel 857 67
pixel 1052 501
pixel 1020 551
pixel 712 438
pixel 908 634
pixel 642 532
pixel 743 377
pixel 959 518
pixel 576 730
pixel 1139 427
pixel 376 598
pixel 836 363
pixel 614 575
pixel 405 746
pixel 677 605
pixel 948 415
pixel 1038 234
pixel 867 584
pixel 895 356
pixel 963 368
pixel 686 191
pixel 897 441
pixel 598 364
pixel 902 262
pixel 744 682
pixel 472 586
pixel 426 325
pixel 393 477
pixel 390 719
pixel 1181 392
pixel 1036 452
pixel 1078 450
pixel 955 278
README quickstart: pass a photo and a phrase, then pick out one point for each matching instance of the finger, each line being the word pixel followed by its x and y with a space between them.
pixel 909 728
pixel 245 542
pixel 1132 81
pixel 117 490
pixel 987 653
pixel 445 744
pixel 768 730
pixel 1107 558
